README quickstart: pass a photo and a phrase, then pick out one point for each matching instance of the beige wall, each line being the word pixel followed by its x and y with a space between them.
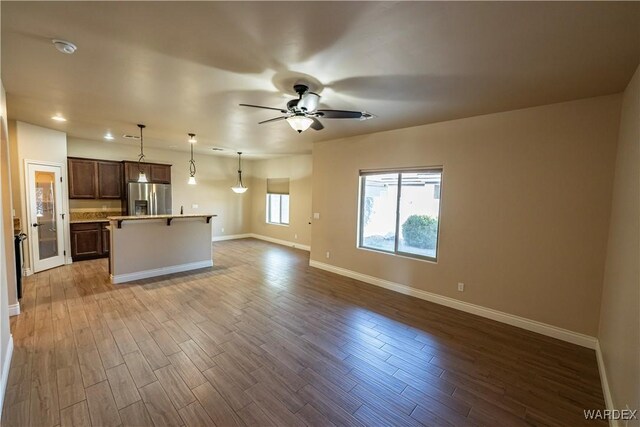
pixel 215 176
pixel 31 142
pixel 298 169
pixel 619 333
pixel 525 207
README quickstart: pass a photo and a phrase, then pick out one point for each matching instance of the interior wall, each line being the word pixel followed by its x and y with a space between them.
pixel 212 194
pixel 299 170
pixel 619 333
pixel 524 213
pixel 31 142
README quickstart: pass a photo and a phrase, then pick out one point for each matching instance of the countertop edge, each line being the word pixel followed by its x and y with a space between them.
pixel 151 217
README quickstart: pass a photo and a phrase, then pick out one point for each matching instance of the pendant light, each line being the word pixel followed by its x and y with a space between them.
pixel 239 187
pixel 192 163
pixel 142 177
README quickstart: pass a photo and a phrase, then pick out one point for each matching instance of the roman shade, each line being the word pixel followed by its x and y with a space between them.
pixel 278 185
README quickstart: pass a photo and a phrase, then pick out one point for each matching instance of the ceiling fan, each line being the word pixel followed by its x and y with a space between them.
pixel 302 113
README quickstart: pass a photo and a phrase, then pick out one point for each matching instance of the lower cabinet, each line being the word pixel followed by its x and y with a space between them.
pixel 89 240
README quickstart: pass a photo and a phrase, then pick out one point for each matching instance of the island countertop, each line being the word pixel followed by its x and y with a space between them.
pixel 141 217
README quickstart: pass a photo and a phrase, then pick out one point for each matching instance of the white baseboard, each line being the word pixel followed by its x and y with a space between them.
pixel 230 237
pixel 138 275
pixel 14 309
pixel 265 238
pixel 5 371
pixel 608 400
pixel 281 242
pixel 500 316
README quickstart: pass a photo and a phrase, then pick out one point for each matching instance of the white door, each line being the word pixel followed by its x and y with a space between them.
pixel 46 235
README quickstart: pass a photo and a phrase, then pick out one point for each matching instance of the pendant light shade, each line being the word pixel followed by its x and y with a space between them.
pixel 239 188
pixel 142 177
pixel 192 163
pixel 299 123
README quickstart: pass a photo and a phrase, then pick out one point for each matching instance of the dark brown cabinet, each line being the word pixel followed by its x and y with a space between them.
pixel 155 172
pixel 89 240
pixel 82 179
pixel 109 180
pixel 94 179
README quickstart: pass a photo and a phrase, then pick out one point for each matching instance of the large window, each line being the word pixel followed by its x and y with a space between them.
pixel 400 212
pixel 278 201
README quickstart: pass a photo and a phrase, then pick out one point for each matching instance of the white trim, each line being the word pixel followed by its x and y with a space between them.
pixel 5 371
pixel 281 242
pixel 27 272
pixel 128 277
pixel 510 319
pixel 608 400
pixel 230 237
pixel 14 309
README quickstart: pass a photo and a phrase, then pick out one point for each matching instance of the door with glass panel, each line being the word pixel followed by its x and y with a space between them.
pixel 45 216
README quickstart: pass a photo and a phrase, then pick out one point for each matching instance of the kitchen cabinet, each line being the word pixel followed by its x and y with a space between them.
pixel 89 240
pixel 155 172
pixel 94 179
pixel 109 180
pixel 82 178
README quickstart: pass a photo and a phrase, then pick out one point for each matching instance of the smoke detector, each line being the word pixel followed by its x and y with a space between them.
pixel 64 46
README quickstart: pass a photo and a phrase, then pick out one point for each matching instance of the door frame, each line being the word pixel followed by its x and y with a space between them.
pixel 64 209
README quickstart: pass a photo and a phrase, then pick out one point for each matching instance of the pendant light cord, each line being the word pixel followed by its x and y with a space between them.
pixel 192 164
pixel 240 169
pixel 141 156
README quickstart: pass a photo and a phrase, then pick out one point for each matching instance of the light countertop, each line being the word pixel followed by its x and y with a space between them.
pixel 141 217
pixel 87 221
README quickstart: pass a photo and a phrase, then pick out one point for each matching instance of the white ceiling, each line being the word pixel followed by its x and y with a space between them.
pixel 183 67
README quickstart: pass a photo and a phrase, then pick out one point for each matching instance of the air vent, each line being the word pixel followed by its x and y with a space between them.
pixel 130 136
pixel 217 149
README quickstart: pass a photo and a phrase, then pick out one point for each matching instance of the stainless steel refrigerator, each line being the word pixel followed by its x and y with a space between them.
pixel 149 199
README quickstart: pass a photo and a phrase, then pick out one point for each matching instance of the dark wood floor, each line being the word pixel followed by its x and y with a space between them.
pixel 263 339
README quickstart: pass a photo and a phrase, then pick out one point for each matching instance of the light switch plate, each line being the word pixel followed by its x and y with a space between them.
pixel 194 206
pixel 316 215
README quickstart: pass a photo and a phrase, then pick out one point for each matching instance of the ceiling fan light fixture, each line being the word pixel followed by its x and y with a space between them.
pixel 299 123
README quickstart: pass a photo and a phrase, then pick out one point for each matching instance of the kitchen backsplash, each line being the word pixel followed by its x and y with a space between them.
pixel 87 215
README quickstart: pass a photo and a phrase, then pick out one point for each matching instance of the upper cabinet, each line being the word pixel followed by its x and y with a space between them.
pixel 155 172
pixel 82 178
pixel 109 180
pixel 94 179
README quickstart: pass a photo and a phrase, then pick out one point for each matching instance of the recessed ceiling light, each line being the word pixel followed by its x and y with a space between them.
pixel 58 118
pixel 64 46
pixel 108 136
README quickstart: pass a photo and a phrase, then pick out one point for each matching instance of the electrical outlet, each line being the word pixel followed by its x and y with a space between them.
pixel 222 230
pixel 104 207
pixel 460 287
pixel 328 254
pixel 194 206
pixel 316 215
pixel 295 236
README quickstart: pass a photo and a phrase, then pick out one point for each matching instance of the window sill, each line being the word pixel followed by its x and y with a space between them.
pixel 278 224
pixel 400 255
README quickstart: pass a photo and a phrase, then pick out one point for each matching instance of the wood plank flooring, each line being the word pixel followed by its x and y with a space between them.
pixel 262 339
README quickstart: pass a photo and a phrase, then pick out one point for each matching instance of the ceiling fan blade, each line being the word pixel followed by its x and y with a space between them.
pixel 343 114
pixel 265 108
pixel 309 101
pixel 272 120
pixel 316 125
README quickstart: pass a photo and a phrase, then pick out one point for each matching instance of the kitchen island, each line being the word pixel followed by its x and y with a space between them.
pixel 146 246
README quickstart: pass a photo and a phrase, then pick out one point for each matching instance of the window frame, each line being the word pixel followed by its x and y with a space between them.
pixel 360 243
pixel 268 216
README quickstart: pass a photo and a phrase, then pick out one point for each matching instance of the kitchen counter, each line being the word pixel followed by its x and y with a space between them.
pixel 146 246
pixel 87 221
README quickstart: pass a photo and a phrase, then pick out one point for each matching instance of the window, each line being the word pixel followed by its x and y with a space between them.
pixel 278 201
pixel 400 212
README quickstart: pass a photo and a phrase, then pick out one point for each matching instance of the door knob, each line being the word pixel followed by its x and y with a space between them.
pixel 35 224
